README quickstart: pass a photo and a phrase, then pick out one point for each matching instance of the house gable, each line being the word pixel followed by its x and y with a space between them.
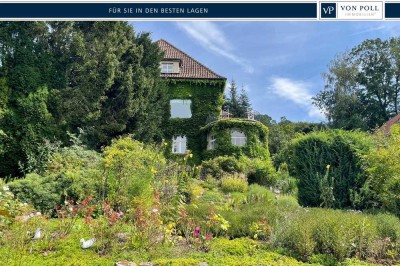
pixel 189 68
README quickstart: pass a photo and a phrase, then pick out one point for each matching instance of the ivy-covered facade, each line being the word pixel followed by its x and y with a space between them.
pixel 196 98
pixel 236 137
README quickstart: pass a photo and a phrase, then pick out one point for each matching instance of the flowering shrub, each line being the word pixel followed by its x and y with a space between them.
pixel 70 212
pixel 130 167
pixel 234 183
pixel 147 226
pixel 185 224
pixel 9 206
pixel 261 230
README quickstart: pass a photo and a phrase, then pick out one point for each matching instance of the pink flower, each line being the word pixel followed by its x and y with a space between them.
pixel 197 228
pixel 208 237
pixel 196 233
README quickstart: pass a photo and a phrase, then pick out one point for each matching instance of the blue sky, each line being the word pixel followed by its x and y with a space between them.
pixel 278 63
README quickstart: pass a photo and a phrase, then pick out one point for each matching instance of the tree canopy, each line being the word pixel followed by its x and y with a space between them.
pixel 362 85
pixel 58 77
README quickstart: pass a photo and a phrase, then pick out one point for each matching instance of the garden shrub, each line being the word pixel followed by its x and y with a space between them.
pixel 234 183
pixel 295 233
pixel 71 173
pixel 43 193
pixel 382 188
pixel 242 217
pixel 259 171
pixel 388 226
pixel 212 196
pixel 287 202
pixel 218 166
pixel 10 207
pixel 285 183
pixel 257 193
pixel 237 198
pixel 235 247
pixel 130 167
pixel 308 157
pixel 323 259
pixel 341 234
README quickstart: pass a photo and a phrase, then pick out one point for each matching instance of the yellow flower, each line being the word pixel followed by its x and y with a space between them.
pixel 328 166
pixel 171 225
pixel 255 236
pixel 191 155
pixel 153 170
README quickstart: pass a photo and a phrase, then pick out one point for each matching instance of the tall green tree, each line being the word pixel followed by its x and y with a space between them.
pixel 114 78
pixel 60 77
pixel 244 102
pixel 146 122
pixel 26 122
pixel 362 86
pixel 237 103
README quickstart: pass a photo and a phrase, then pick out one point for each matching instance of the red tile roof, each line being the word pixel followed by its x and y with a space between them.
pixel 385 128
pixel 189 67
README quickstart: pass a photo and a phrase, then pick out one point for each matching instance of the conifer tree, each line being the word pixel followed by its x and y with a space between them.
pixel 237 104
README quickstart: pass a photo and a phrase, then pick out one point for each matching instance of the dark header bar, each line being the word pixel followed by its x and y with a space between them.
pixel 157 10
pixel 392 10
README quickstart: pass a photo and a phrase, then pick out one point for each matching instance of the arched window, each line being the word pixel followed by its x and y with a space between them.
pixel 238 138
pixel 179 145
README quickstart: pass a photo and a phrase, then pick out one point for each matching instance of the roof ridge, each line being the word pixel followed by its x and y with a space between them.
pixel 388 124
pixel 173 46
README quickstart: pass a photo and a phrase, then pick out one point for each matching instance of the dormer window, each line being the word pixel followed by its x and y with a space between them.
pixel 167 67
pixel 170 66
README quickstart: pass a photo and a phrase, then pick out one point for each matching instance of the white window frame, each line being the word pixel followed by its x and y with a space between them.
pixel 179 144
pixel 238 138
pixel 167 67
pixel 186 103
pixel 211 142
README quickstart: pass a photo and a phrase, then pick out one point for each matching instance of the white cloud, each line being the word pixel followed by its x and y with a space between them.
pixel 387 27
pixel 296 91
pixel 211 37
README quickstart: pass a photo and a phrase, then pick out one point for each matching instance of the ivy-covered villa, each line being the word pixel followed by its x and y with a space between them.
pixel 196 119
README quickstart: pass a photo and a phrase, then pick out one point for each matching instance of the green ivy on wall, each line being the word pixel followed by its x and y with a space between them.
pixel 256 138
pixel 206 101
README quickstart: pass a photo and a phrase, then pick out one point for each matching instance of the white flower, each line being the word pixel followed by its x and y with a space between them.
pixel 38 213
pixel 5 188
pixel 154 210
